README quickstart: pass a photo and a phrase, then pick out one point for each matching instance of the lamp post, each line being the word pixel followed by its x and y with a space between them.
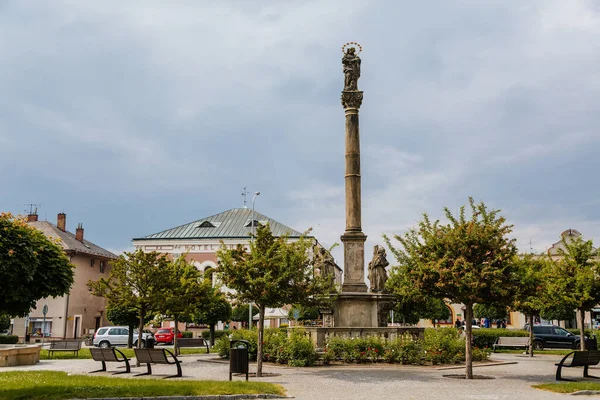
pixel 251 240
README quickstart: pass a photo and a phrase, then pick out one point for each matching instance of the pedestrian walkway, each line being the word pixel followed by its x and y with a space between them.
pixel 379 381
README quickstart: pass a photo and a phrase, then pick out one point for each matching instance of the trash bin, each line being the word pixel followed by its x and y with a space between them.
pixel 238 357
pixel 591 343
pixel 149 343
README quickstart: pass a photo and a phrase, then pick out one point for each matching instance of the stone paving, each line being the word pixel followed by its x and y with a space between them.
pixel 512 381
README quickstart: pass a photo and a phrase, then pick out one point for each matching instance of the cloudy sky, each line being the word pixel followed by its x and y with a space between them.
pixel 137 116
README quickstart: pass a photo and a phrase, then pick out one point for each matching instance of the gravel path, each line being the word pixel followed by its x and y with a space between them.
pixel 512 381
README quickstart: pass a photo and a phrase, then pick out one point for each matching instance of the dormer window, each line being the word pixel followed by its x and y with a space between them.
pixel 206 224
pixel 250 223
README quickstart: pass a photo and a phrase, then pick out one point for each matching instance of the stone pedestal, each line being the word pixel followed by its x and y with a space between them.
pixel 354 262
pixel 365 310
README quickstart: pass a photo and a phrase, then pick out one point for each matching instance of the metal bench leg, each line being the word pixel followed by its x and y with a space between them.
pixel 149 372
pixel 178 372
pixel 100 370
pixel 127 368
pixel 586 374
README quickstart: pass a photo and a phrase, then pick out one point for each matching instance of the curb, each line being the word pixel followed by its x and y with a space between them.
pixel 206 397
pixel 585 392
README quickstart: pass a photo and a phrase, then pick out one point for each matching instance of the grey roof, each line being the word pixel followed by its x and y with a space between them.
pixel 69 242
pixel 234 223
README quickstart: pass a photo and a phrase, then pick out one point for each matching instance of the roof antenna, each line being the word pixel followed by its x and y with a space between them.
pixel 245 196
pixel 32 208
pixel 530 247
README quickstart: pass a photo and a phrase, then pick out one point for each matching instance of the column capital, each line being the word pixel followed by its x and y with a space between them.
pixel 352 99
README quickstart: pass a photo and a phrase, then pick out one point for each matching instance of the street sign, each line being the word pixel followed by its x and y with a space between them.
pixel 296 314
pixel 45 309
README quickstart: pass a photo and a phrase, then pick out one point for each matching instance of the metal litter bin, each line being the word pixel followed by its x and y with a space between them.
pixel 591 343
pixel 238 357
pixel 149 343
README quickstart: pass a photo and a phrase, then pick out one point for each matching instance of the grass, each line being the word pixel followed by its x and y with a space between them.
pixel 85 353
pixel 568 387
pixel 54 385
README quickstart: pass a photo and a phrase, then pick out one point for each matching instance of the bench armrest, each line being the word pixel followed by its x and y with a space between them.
pixel 177 361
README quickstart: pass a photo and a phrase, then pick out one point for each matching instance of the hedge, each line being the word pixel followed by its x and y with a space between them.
pixel 218 334
pixel 8 339
pixel 486 337
pixel 187 334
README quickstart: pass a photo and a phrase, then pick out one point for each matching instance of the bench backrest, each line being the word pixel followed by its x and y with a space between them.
pixel 593 357
pixel 156 356
pixel 109 354
pixel 65 345
pixel 191 342
pixel 96 354
pixel 583 358
pixel 516 340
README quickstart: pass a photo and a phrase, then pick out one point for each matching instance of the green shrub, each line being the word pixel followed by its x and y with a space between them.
pixel 187 334
pixel 222 343
pixel 486 337
pixel 444 346
pixel 301 350
pixel 586 332
pixel 8 339
pixel 479 354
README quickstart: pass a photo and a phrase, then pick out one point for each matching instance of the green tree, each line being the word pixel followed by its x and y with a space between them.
pixel 121 315
pixel 490 311
pixel 186 289
pixel 273 273
pixel 574 278
pixel 530 296
pixel 241 313
pixel 32 267
pixel 4 322
pixel 467 261
pixel 216 308
pixel 137 281
pixel 305 313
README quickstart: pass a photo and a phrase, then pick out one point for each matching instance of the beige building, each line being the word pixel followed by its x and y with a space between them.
pixel 79 313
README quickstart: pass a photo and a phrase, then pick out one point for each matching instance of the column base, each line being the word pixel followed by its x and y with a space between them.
pixel 354 288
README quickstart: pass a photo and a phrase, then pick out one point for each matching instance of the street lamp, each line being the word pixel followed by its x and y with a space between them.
pixel 251 240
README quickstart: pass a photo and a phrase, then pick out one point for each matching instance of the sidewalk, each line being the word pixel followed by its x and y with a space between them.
pixel 378 381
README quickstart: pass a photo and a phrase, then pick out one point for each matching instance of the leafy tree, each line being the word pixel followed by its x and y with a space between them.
pixel 467 261
pixel 215 308
pixel 559 312
pixel 186 289
pixel 121 315
pixel 305 313
pixel 530 296
pixel 490 311
pixel 137 281
pixel 32 267
pixel 241 313
pixel 4 322
pixel 574 278
pixel 275 272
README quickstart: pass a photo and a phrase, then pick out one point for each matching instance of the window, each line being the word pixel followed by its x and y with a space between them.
pixel 92 262
pixel 206 224
pixel 102 263
pixel 251 222
pixel 561 332
pixel 102 331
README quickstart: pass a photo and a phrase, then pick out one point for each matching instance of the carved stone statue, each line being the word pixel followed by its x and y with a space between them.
pixel 325 263
pixel 351 68
pixel 377 271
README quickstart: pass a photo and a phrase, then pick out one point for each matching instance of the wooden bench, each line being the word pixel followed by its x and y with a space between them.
pixel 109 355
pixel 64 345
pixel 516 341
pixel 157 356
pixel 193 342
pixel 580 359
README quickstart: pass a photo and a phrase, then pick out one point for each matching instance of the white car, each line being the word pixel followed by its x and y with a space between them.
pixel 111 336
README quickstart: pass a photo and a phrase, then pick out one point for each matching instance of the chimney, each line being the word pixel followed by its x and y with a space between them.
pixel 79 232
pixel 32 217
pixel 61 222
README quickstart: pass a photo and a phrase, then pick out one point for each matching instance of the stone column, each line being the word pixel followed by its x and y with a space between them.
pixel 353 238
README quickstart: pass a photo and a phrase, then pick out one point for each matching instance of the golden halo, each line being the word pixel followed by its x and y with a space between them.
pixel 352 44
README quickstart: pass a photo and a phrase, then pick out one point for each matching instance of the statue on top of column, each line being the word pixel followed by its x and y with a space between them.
pixel 351 67
pixel 377 272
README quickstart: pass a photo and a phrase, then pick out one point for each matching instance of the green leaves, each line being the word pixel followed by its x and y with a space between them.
pixel 32 267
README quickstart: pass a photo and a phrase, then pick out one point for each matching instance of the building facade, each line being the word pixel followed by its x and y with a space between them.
pixel 79 313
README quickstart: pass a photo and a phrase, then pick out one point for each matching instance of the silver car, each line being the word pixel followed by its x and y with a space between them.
pixel 111 336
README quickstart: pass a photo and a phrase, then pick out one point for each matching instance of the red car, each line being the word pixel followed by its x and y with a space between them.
pixel 166 335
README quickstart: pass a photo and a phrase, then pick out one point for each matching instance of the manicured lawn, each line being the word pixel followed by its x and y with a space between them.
pixel 53 385
pixel 568 387
pixel 85 353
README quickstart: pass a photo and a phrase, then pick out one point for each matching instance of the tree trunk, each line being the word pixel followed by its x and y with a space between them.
pixel 211 328
pixel 175 331
pixel 581 329
pixel 130 336
pixel 531 335
pixel 468 338
pixel 140 334
pixel 261 329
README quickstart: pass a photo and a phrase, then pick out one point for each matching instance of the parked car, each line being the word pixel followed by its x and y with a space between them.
pixel 111 336
pixel 166 335
pixel 552 336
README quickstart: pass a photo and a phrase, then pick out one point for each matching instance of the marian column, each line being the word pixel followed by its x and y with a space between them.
pixel 353 238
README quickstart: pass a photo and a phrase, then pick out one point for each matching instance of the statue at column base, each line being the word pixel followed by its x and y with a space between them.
pixel 352 99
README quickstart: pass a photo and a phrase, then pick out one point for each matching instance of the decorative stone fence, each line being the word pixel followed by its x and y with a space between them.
pixel 319 335
pixel 19 354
